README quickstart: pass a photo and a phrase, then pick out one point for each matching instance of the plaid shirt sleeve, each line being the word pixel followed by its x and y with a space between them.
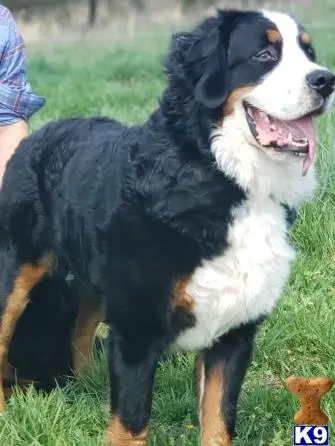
pixel 17 101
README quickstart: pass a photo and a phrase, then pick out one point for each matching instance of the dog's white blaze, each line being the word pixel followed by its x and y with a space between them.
pixel 284 92
pixel 247 280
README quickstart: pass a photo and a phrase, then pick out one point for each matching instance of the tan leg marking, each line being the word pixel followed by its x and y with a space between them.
pixel 200 380
pixel 83 338
pixel 28 276
pixel 118 435
pixel 213 428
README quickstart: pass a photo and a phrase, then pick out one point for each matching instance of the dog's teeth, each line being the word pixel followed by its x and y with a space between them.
pixel 299 143
pixel 273 128
pixel 299 154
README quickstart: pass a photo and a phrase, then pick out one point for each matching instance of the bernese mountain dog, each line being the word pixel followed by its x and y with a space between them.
pixel 177 228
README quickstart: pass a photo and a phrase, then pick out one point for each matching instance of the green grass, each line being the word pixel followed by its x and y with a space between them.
pixel 124 81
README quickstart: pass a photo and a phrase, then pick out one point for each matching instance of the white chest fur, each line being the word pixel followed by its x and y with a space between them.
pixel 246 281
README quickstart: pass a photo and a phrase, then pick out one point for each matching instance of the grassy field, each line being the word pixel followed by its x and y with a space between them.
pixel 124 80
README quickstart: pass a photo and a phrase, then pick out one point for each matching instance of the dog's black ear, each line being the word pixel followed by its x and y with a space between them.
pixel 212 88
pixel 198 59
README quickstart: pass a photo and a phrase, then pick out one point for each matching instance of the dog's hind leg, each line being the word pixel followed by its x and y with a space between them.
pixel 87 322
pixel 16 282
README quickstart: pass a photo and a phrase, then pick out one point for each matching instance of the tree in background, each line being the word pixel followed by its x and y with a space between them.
pixel 136 6
pixel 92 12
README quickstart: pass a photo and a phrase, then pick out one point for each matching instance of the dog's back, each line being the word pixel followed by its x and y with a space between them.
pixel 43 155
pixel 59 157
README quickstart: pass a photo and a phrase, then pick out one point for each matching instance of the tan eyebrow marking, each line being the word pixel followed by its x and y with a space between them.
pixel 305 38
pixel 274 35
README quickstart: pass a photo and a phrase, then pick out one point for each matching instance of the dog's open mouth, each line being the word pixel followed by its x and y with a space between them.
pixel 296 137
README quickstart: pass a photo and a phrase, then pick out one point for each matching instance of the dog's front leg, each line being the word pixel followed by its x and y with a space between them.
pixel 220 374
pixel 132 370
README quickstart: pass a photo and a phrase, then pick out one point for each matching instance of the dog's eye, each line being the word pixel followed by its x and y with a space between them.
pixel 266 56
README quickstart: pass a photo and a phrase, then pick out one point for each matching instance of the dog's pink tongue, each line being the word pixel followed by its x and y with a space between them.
pixel 285 133
pixel 305 127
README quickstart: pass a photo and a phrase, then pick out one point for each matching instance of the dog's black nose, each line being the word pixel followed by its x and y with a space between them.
pixel 322 81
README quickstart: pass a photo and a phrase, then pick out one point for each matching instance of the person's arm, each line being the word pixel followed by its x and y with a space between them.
pixel 10 137
pixel 17 101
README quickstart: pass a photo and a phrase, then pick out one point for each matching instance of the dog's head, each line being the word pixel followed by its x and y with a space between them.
pixel 256 75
